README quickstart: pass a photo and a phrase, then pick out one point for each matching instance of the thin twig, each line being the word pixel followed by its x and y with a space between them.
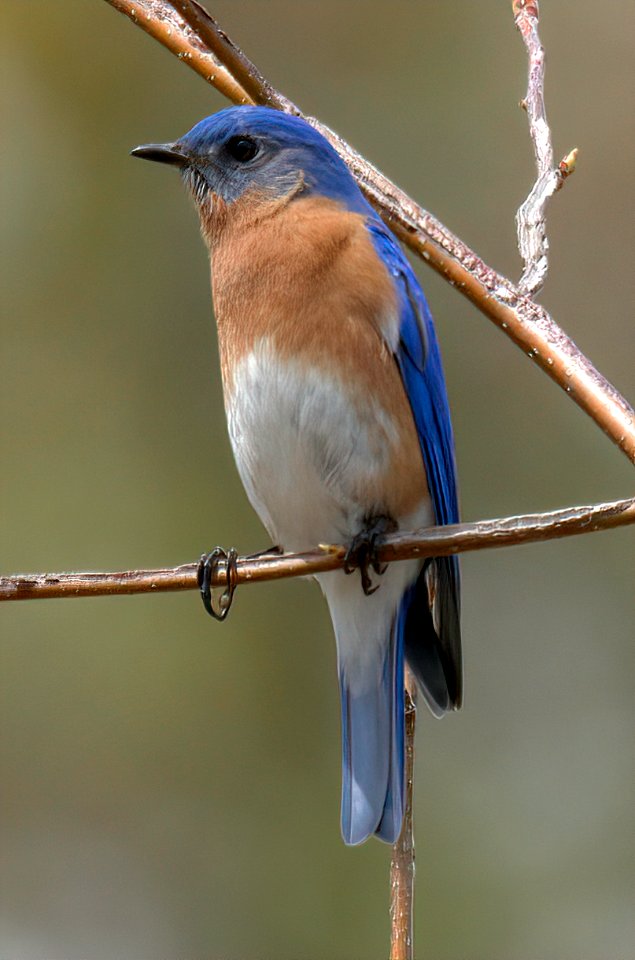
pixel 432 542
pixel 527 324
pixel 402 863
pixel 531 219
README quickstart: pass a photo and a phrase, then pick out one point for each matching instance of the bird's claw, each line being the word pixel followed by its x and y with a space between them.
pixel 362 553
pixel 209 569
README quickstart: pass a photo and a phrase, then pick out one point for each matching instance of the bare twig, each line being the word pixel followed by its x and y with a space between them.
pixel 531 222
pixel 432 542
pixel 402 864
pixel 525 322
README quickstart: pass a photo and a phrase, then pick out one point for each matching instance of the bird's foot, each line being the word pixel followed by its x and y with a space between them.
pixel 211 567
pixel 362 553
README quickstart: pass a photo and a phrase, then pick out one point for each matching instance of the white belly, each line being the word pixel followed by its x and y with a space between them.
pixel 307 455
pixel 305 452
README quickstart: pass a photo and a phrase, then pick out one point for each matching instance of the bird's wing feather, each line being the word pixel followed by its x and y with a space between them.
pixel 431 608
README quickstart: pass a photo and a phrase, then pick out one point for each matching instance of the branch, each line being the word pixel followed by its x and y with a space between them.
pixel 244 72
pixel 180 25
pixel 432 542
pixel 531 222
pixel 161 21
pixel 402 863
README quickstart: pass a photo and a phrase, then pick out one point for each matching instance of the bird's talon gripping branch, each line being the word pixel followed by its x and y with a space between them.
pixel 362 553
pixel 209 567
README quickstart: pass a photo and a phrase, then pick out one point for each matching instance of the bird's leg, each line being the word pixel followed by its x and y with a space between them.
pixel 209 567
pixel 362 553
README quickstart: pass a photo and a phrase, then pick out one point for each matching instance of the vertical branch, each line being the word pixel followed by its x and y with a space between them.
pixel 531 223
pixel 402 864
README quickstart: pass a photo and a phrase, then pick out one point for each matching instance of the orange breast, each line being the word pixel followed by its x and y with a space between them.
pixel 305 275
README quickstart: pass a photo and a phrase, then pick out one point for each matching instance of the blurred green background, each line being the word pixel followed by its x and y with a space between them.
pixel 170 787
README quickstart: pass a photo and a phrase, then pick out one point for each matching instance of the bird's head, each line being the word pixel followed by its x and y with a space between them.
pixel 259 152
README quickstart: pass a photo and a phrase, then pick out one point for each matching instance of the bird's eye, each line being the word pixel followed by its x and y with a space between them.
pixel 242 149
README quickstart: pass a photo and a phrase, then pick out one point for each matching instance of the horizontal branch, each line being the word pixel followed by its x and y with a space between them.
pixel 432 542
pixel 185 28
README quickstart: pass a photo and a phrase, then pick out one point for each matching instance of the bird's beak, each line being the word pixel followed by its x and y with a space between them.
pixel 162 153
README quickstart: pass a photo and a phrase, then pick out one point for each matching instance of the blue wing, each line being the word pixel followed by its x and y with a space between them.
pixel 429 613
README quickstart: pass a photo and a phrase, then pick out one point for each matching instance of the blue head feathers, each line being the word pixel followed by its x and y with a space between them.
pixel 258 149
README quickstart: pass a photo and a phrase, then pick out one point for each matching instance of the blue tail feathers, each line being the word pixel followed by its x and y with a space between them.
pixel 373 750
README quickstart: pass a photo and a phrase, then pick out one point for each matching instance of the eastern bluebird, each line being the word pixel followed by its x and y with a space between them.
pixel 337 414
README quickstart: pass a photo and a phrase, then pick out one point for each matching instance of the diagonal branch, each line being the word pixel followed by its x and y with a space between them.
pixel 432 542
pixel 182 38
pixel 180 26
pixel 257 89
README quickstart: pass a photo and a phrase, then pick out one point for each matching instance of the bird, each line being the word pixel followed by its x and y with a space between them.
pixel 338 417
